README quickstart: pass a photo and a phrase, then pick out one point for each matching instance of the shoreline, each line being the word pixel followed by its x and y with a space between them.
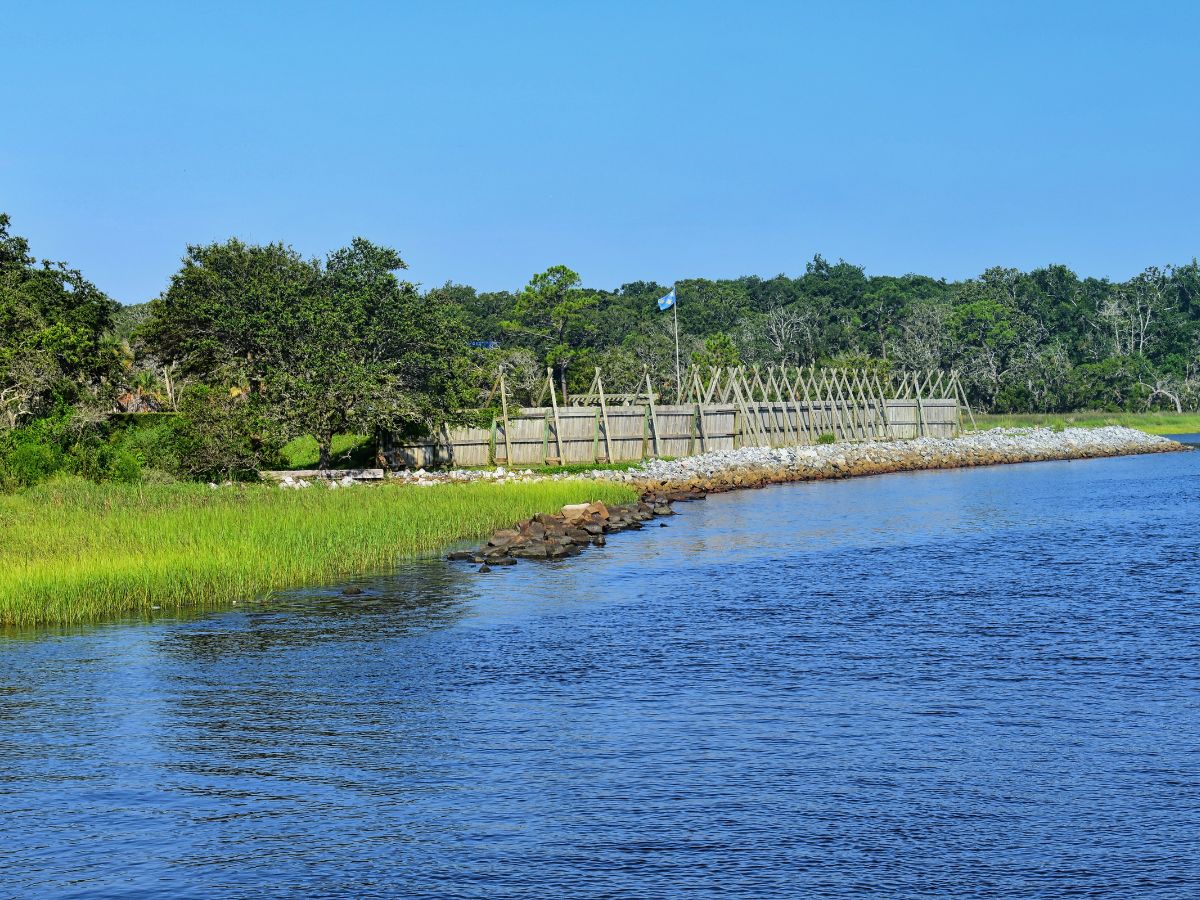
pixel 751 467
pixel 660 482
pixel 113 550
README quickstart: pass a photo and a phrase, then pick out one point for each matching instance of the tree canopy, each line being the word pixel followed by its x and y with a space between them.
pixel 54 327
pixel 325 348
pixel 252 344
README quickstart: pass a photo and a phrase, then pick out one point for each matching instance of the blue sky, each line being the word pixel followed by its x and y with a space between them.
pixel 649 140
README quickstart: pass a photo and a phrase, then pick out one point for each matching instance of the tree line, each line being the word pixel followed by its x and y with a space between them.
pixel 1040 341
pixel 250 345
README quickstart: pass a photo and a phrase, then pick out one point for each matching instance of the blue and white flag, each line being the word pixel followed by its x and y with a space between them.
pixel 667 302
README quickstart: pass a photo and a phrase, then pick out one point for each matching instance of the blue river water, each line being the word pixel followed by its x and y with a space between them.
pixel 977 683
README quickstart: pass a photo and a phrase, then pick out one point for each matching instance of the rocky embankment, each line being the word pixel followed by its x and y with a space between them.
pixel 555 536
pixel 759 466
pixel 662 481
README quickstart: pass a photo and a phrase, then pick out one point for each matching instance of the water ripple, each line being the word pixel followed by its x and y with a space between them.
pixel 967 684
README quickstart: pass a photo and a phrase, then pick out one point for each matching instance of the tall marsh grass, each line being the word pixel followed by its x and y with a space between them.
pixel 74 551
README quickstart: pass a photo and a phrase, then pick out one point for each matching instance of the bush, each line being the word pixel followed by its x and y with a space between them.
pixel 154 441
pixel 124 467
pixel 826 438
pixel 219 436
pixel 29 463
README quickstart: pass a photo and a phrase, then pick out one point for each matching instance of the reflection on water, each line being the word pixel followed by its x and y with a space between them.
pixel 973 683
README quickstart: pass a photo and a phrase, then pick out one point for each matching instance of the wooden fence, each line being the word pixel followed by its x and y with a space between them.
pixel 590 429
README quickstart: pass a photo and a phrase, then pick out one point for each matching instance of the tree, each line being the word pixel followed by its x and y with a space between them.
pixel 342 347
pixel 221 434
pixel 225 308
pixel 550 315
pixel 1133 312
pixel 718 351
pixel 370 354
pixel 53 325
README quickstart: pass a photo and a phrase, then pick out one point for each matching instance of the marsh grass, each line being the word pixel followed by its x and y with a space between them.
pixel 73 551
pixel 1150 422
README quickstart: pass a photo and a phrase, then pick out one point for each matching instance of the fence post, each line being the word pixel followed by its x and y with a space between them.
pixel 504 411
pixel 557 424
pixel 604 415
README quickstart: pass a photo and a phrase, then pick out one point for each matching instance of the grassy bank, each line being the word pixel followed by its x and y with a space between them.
pixel 1150 422
pixel 73 551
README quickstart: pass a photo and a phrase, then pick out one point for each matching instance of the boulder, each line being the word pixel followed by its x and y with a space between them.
pixel 575 511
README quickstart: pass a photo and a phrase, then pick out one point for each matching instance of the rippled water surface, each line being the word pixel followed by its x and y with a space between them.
pixel 981 683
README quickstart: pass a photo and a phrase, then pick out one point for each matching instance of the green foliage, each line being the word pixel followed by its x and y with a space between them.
pixel 118 450
pixel 718 351
pixel 53 327
pixel 1042 340
pixel 221 436
pixel 826 438
pixel 550 316
pixel 258 345
pixel 227 308
pixel 327 349
pixel 29 463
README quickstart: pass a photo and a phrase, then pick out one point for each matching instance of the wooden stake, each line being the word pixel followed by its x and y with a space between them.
pixel 604 414
pixel 557 424
pixel 504 413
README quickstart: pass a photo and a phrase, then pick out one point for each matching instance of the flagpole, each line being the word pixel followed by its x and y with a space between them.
pixel 675 315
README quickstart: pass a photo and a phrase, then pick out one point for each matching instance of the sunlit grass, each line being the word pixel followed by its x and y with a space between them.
pixel 74 551
pixel 1151 422
pixel 346 451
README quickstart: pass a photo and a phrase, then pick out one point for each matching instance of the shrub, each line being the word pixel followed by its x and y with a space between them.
pixel 154 441
pixel 826 438
pixel 29 463
pixel 220 436
pixel 124 467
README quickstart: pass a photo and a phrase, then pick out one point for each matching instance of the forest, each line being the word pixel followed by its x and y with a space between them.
pixel 251 346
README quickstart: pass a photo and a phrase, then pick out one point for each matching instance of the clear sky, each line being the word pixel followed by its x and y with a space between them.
pixel 638 140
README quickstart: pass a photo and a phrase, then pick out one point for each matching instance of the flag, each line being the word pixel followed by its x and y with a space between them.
pixel 667 302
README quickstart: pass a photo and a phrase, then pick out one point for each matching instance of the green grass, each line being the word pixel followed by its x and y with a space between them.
pixel 348 451
pixel 1151 422
pixel 73 551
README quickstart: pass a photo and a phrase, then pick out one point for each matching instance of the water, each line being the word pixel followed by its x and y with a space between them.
pixel 980 683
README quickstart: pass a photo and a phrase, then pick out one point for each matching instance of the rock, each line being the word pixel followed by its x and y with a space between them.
pixel 531 551
pixel 484 569
pixel 575 511
pixel 504 538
